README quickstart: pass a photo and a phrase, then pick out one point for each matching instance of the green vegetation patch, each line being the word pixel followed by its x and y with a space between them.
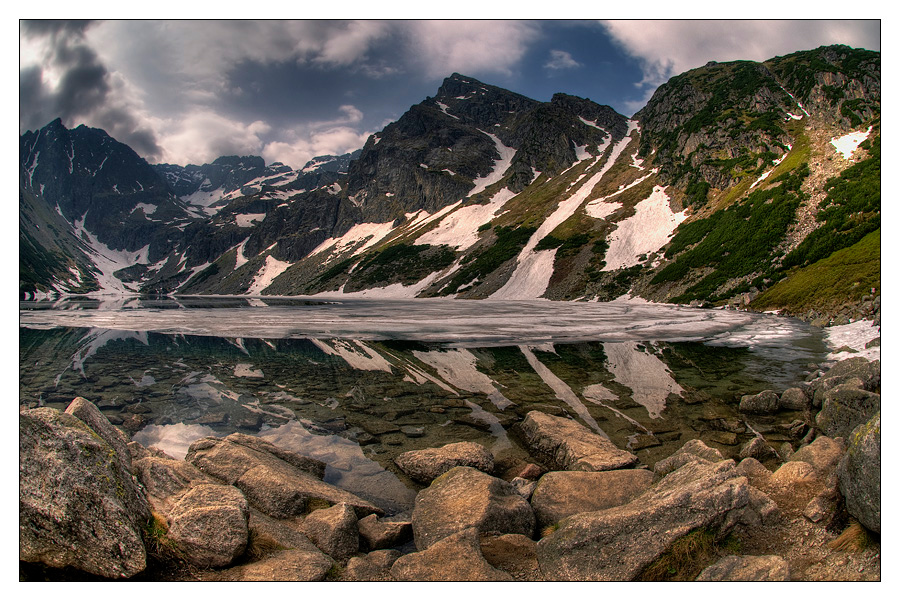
pixel 830 282
pixel 509 243
pixel 405 263
pixel 850 211
pixel 688 555
pixel 735 241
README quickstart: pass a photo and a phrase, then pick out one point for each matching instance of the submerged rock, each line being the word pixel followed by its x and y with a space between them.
pixel 271 481
pixel 466 498
pixel 79 505
pixel 764 402
pixel 565 444
pixel 427 464
pixel 689 452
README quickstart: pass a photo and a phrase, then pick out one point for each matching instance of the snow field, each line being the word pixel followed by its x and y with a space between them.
pixel 459 229
pixel 847 145
pixel 270 270
pixel 644 232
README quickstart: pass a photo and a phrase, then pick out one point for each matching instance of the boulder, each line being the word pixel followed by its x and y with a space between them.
pixel 208 524
pixel 763 510
pixel 857 367
pixel 427 464
pixel 166 480
pixel 859 474
pixel 373 567
pixel 561 494
pixel 794 399
pixel 467 498
pixel 382 534
pixel 759 449
pixel 754 471
pixel 564 444
pixel 689 452
pixel 513 553
pixel 79 506
pixel 453 559
pixel 334 531
pixel 764 402
pixel 823 454
pixel 289 565
pixel 617 544
pixel 746 568
pixel 844 408
pixel 271 483
pixel 87 412
pixel 792 473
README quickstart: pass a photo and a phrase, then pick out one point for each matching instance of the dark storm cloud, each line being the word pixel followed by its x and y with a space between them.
pixel 82 90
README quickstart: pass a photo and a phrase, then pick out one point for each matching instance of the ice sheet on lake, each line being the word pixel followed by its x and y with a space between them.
pixel 457 323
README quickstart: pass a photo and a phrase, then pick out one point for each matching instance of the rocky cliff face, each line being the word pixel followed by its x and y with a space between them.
pixel 732 177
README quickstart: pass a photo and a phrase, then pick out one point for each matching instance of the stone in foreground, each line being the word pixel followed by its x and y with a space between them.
pixel 456 558
pixel 427 464
pixel 746 568
pixel 561 494
pixel 859 474
pixel 78 504
pixel 209 525
pixel 466 498
pixel 617 544
pixel 564 444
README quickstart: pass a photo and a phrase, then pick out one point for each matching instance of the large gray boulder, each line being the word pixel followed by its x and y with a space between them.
pixel 859 474
pixel 747 568
pixel 272 482
pixel 456 558
pixel 333 530
pixel 166 480
pixel 208 524
pixel 467 498
pixel 427 464
pixel 564 444
pixel 844 408
pixel 794 399
pixel 79 505
pixel 617 544
pixel 94 419
pixel 561 494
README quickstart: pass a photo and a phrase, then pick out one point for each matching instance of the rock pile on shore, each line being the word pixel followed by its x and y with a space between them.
pixel 239 508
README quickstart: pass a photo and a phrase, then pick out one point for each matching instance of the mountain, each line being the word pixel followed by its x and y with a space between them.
pixel 734 178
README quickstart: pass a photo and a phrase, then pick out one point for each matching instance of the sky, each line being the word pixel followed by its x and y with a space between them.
pixel 189 91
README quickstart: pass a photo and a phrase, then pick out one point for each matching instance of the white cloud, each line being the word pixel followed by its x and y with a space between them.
pixel 296 148
pixel 470 47
pixel 560 59
pixel 667 48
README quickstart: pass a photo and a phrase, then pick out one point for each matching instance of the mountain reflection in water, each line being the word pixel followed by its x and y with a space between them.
pixel 393 377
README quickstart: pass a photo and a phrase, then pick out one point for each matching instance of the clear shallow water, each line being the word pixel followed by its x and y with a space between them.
pixel 354 383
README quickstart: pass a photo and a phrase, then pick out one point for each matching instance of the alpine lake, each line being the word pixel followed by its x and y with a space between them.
pixel 354 382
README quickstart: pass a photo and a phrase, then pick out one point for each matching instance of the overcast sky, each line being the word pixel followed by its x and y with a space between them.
pixel 190 91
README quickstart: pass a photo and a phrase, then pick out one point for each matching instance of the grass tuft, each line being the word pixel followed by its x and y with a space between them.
pixel 853 539
pixel 687 557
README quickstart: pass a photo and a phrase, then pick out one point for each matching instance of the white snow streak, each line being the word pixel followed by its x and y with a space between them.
pixel 500 167
pixel 460 228
pixel 357 354
pixel 240 259
pixel 458 368
pixel 270 270
pixel 644 232
pixel 534 268
pixel 108 261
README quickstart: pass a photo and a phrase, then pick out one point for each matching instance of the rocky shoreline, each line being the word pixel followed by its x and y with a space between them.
pixel 95 506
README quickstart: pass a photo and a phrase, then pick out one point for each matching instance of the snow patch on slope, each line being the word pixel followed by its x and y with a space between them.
pixel 460 228
pixel 644 232
pixel 500 167
pixel 270 270
pixel 108 261
pixel 248 219
pixel 847 145
pixel 853 335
